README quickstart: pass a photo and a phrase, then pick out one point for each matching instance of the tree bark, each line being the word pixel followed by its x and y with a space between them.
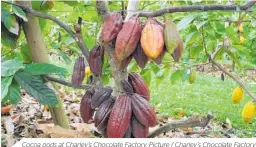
pixel 39 54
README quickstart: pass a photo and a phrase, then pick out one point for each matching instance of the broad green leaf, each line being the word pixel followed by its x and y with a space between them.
pixel 19 12
pixel 24 50
pixel 175 76
pixel 35 87
pixel 8 39
pixel 199 25
pixel 5 83
pixel 9 67
pixel 9 21
pixel 13 95
pixel 185 75
pixel 194 51
pixel 186 21
pixel 147 77
pixel 45 69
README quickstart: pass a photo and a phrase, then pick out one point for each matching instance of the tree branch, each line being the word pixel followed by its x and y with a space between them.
pixel 192 122
pixel 160 12
pixel 81 44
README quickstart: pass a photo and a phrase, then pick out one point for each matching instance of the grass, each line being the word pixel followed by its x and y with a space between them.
pixel 207 95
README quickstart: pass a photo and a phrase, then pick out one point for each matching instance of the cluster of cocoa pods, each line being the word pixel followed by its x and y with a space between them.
pixel 127 115
pixel 143 41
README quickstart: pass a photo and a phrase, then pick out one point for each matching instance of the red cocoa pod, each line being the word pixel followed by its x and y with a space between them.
pixel 128 38
pixel 100 96
pixel 96 59
pixel 78 72
pixel 111 27
pixel 86 111
pixel 138 129
pixel 176 55
pixel 102 114
pixel 124 63
pixel 143 111
pixel 120 116
pixel 128 132
pixel 159 59
pixel 127 86
pixel 139 86
pixel 140 57
pixel 152 39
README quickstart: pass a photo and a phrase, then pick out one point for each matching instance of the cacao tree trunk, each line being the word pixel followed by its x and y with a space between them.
pixel 39 54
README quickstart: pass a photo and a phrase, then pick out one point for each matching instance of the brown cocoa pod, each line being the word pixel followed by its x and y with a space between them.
pixel 152 39
pixel 138 129
pixel 127 86
pixel 86 111
pixel 111 27
pixel 102 114
pixel 78 72
pixel 124 63
pixel 143 111
pixel 139 86
pixel 120 116
pixel 128 132
pixel 140 57
pixel 128 38
pixel 176 55
pixel 159 59
pixel 100 96
pixel 96 59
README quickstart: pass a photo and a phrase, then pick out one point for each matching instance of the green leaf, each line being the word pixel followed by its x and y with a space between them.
pixel 8 39
pixel 9 67
pixel 9 21
pixel 13 95
pixel 5 83
pixel 175 76
pixel 35 87
pixel 19 12
pixel 147 77
pixel 64 56
pixel 186 21
pixel 185 75
pixel 44 69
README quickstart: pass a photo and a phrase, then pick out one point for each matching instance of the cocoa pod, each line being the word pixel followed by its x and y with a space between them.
pixel 124 63
pixel 140 57
pixel 111 27
pixel 120 116
pixel 138 129
pixel 100 96
pixel 159 59
pixel 139 86
pixel 78 72
pixel 192 77
pixel 171 36
pixel 152 39
pixel 127 87
pixel 102 114
pixel 86 111
pixel 96 59
pixel 143 111
pixel 128 38
pixel 128 132
pixel 176 55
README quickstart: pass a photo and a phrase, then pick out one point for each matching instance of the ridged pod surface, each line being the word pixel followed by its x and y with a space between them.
pixel 78 72
pixel 159 59
pixel 111 27
pixel 128 132
pixel 140 57
pixel 152 39
pixel 192 77
pixel 237 95
pixel 86 111
pixel 96 59
pixel 248 112
pixel 127 87
pixel 128 38
pixel 120 116
pixel 102 114
pixel 138 129
pixel 143 111
pixel 176 55
pixel 139 86
pixel 100 96
pixel 124 63
pixel 171 36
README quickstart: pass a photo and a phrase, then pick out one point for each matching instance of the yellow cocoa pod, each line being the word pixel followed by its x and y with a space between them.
pixel 241 29
pixel 242 39
pixel 248 113
pixel 192 77
pixel 237 95
pixel 87 71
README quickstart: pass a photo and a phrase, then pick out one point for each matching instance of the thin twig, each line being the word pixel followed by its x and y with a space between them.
pixel 189 8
